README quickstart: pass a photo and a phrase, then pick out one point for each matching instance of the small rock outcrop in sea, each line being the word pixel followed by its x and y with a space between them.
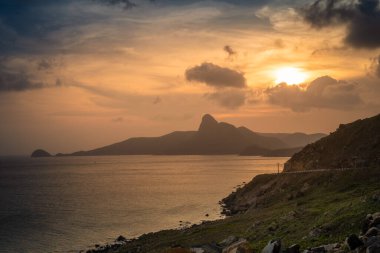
pixel 40 153
pixel 108 248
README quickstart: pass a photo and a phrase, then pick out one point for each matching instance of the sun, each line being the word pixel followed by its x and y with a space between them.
pixel 290 75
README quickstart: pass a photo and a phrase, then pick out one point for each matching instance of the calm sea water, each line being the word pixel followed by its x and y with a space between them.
pixel 71 203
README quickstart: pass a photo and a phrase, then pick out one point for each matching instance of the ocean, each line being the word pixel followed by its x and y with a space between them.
pixel 68 204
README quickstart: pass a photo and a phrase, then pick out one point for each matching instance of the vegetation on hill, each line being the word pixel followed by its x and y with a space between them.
pixel 306 208
pixel 352 145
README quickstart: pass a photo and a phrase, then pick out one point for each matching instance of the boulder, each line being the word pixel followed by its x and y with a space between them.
pixel 325 248
pixel 374 248
pixel 371 241
pixel 375 222
pixel 295 248
pixel 121 239
pixel 373 231
pixel 240 245
pixel 244 249
pixel 354 242
pixel 366 223
pixel 320 249
pixel 274 246
pixel 228 241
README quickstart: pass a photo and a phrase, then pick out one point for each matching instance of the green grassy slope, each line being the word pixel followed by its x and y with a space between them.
pixel 306 208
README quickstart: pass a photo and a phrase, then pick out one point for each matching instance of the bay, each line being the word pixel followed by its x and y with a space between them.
pixel 65 204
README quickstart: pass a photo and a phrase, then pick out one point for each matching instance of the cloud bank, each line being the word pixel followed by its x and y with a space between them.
pixel 361 17
pixel 10 81
pixel 216 76
pixel 323 92
pixel 230 98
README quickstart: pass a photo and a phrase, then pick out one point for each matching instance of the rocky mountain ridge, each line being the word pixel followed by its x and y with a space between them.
pixel 353 145
pixel 212 138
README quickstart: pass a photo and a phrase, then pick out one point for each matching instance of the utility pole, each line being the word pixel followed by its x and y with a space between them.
pixel 278 168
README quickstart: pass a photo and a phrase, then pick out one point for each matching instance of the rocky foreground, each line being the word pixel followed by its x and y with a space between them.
pixel 316 212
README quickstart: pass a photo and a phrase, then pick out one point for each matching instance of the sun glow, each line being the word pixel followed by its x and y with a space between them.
pixel 290 75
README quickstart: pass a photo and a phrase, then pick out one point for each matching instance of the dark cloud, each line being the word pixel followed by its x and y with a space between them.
pixel 361 17
pixel 216 76
pixel 228 49
pixel 126 4
pixel 17 82
pixel 48 64
pixel 323 92
pixel 230 98
pixel 45 27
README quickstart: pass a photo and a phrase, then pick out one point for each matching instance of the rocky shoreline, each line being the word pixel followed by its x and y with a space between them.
pixel 312 212
pixel 368 241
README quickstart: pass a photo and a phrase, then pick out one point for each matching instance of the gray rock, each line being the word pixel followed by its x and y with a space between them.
pixel 228 241
pixel 295 248
pixel 320 249
pixel 375 222
pixel 330 247
pixel 274 246
pixel 371 241
pixel 373 231
pixel 197 250
pixel 239 246
pixel 354 242
pixel 374 248
pixel 366 223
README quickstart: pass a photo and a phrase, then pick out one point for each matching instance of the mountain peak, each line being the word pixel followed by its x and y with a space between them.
pixel 208 122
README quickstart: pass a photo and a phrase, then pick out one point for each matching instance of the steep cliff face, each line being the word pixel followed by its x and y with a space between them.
pixel 352 145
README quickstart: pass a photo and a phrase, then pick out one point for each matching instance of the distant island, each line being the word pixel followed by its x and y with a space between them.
pixel 211 138
pixel 40 153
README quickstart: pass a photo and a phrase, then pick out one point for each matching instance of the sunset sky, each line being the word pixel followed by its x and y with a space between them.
pixel 79 74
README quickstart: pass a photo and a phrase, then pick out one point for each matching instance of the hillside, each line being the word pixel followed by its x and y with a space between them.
pixel 295 139
pixel 352 145
pixel 211 138
pixel 313 209
pixel 309 209
pixel 258 151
